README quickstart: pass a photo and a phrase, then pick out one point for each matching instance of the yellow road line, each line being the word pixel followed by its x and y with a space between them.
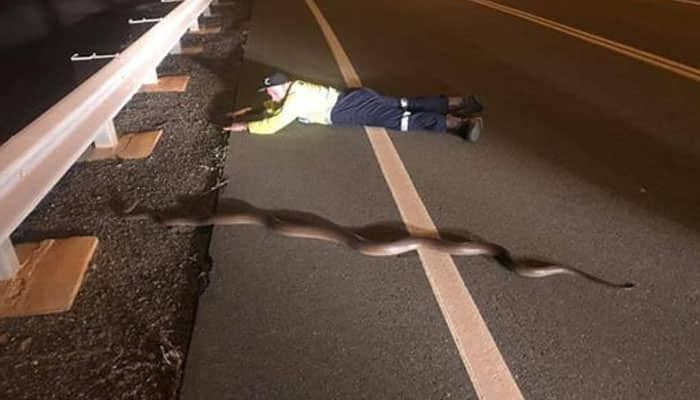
pixel 693 2
pixel 484 363
pixel 641 55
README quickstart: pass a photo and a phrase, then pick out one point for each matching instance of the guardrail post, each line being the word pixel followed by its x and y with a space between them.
pixel 151 77
pixel 177 49
pixel 9 264
pixel 195 26
pixel 107 136
pixel 58 139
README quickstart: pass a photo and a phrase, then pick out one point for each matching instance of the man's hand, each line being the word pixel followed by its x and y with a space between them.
pixel 238 113
pixel 239 127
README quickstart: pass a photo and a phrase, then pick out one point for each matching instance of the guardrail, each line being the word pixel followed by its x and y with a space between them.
pixel 36 157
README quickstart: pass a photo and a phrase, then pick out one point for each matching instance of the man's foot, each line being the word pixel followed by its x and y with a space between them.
pixel 465 106
pixel 468 129
pixel 471 129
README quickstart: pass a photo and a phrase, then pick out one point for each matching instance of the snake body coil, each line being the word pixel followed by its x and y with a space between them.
pixel 354 240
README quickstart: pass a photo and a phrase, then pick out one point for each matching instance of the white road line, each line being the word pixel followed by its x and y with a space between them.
pixel 488 371
pixel 641 55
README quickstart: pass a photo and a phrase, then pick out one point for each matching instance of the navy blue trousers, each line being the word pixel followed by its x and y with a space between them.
pixel 366 107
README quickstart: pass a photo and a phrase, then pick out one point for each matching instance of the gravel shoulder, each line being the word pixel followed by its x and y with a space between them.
pixel 128 332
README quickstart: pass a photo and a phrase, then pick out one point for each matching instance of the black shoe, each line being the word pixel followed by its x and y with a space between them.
pixel 471 106
pixel 471 130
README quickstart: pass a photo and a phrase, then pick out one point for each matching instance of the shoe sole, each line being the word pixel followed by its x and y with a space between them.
pixel 476 129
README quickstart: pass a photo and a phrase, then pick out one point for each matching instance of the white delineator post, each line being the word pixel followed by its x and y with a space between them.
pixel 106 136
pixel 177 49
pixel 195 26
pixel 9 263
pixel 34 160
pixel 150 77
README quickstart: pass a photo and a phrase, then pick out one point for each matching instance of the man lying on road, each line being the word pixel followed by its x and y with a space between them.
pixel 311 103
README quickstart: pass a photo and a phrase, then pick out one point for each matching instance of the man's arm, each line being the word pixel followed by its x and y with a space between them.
pixel 238 127
pixel 241 112
pixel 270 125
pixel 266 126
pixel 255 113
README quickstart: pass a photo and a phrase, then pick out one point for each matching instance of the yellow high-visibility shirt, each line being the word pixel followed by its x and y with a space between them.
pixel 307 102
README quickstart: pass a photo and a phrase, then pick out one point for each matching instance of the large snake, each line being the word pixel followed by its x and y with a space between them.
pixel 277 223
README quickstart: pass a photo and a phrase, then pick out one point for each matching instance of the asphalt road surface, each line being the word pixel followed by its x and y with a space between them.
pixel 589 158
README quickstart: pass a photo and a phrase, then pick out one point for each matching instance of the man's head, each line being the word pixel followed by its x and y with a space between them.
pixel 276 86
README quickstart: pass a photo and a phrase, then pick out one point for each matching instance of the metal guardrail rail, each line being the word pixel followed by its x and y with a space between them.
pixel 36 157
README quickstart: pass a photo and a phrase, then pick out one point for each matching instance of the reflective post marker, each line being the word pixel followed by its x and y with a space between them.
pixel 9 264
pixel 107 136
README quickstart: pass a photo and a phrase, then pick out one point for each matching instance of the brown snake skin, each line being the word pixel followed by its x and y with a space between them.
pixel 354 240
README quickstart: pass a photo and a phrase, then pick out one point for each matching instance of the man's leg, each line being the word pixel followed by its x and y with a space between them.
pixel 430 104
pixel 464 106
pixel 436 104
pixel 388 112
pixel 358 107
pixel 367 107
pixel 468 129
pixel 423 121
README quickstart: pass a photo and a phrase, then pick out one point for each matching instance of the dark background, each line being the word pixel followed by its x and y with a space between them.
pixel 37 39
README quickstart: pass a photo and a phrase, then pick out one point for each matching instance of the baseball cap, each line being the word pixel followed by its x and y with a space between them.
pixel 274 79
